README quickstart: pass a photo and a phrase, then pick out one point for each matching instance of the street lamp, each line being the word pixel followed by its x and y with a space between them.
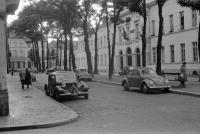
pixel 6 7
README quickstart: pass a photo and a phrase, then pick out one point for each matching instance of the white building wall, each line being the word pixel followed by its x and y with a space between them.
pixel 187 36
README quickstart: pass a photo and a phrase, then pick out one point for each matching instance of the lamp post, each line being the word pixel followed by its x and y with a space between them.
pixel 6 7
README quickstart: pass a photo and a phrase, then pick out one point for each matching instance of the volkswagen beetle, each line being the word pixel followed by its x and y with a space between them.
pixel 145 79
pixel 64 83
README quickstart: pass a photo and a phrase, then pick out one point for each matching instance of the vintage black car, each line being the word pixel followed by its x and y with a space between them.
pixel 64 83
pixel 145 79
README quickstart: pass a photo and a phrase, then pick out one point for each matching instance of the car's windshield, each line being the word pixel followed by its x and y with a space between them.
pixel 148 72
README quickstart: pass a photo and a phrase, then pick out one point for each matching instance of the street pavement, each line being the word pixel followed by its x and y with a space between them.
pixel 192 85
pixel 30 108
pixel 111 110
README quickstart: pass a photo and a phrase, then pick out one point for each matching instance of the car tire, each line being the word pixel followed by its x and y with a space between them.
pixel 46 89
pixel 56 95
pixel 145 88
pixel 166 90
pixel 125 85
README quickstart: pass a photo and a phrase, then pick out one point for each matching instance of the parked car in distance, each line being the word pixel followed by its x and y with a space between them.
pixel 83 75
pixel 125 70
pixel 53 69
pixel 145 79
pixel 64 83
pixel 33 70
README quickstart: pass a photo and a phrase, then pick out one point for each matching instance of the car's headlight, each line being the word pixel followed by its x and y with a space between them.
pixel 63 85
pixel 167 81
pixel 151 83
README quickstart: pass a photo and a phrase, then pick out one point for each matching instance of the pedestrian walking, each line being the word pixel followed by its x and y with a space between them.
pixel 27 78
pixel 12 72
pixel 22 78
pixel 183 77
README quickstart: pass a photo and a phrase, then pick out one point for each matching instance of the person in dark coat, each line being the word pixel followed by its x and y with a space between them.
pixel 27 78
pixel 183 76
pixel 22 75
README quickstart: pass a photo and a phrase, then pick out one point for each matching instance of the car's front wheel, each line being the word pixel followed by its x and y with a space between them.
pixel 145 88
pixel 125 85
pixel 166 90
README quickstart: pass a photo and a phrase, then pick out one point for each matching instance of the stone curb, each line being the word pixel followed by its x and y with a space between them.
pixel 45 125
pixel 74 117
pixel 171 90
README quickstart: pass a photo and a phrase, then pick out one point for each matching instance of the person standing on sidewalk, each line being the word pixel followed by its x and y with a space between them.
pixel 27 78
pixel 22 78
pixel 183 77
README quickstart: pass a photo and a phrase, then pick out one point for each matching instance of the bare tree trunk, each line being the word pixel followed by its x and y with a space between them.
pixel 43 63
pixel 199 38
pixel 38 57
pixel 109 47
pixel 159 43
pixel 61 53
pixel 47 54
pixel 57 53
pixel 65 53
pixel 96 54
pixel 144 36
pixel 87 49
pixel 72 51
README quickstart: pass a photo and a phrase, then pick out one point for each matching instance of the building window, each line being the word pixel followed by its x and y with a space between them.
pixel 172 52
pixel 163 54
pixel 128 30
pixel 182 52
pixel 105 41
pixel 171 23
pixel 120 35
pixel 195 51
pixel 24 64
pixel 154 55
pixel 18 64
pixel 101 43
pixel 153 27
pixel 105 57
pixel 101 59
pixel 15 53
pixel 181 20
pixel 194 18
pixel 137 31
pixel 21 53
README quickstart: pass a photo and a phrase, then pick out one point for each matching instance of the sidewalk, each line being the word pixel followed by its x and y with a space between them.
pixel 192 85
pixel 31 108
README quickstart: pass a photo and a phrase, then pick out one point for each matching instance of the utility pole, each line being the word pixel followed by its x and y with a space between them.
pixel 6 7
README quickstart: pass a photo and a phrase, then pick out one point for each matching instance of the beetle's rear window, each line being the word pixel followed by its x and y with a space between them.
pixel 148 72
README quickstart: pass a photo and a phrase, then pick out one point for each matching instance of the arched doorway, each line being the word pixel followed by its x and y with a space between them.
pixel 129 56
pixel 121 59
pixel 138 57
